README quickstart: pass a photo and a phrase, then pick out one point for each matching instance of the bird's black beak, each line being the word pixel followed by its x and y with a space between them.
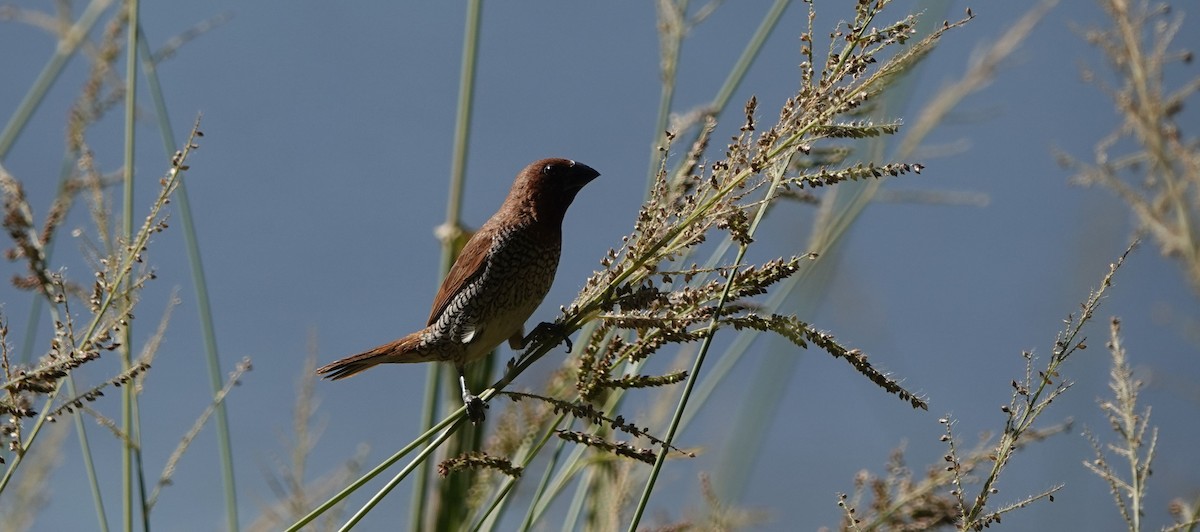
pixel 582 174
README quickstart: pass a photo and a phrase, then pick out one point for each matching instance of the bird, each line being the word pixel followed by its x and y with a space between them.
pixel 498 280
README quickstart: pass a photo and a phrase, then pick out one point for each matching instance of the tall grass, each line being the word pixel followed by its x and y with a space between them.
pixel 665 287
pixel 672 309
pixel 1150 161
pixel 108 299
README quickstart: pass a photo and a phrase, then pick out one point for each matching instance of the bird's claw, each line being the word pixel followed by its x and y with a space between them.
pixel 475 405
pixel 476 408
pixel 551 329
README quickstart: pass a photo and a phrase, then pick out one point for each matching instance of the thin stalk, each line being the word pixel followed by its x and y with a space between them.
pixel 199 284
pixel 417 460
pixel 527 522
pixel 690 383
pixel 1151 122
pixel 144 505
pixel 1137 487
pixel 553 484
pixel 374 472
pixel 35 308
pixel 12 130
pixel 420 495
pixel 49 74
pixel 671 45
pixel 572 465
pixel 37 428
pixel 495 511
pixel 123 269
pixel 466 101
pixel 35 312
pixel 738 73
pixel 594 480
pixel 560 481
pixel 450 249
pixel 826 239
pixel 575 509
pixel 449 514
pixel 735 77
pixel 85 449
pixel 128 398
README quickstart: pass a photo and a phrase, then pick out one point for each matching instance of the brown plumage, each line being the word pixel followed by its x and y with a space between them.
pixel 499 279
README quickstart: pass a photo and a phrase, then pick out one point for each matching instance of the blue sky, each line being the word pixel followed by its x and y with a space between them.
pixel 322 174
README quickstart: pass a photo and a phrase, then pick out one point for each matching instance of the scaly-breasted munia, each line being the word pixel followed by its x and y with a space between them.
pixel 499 279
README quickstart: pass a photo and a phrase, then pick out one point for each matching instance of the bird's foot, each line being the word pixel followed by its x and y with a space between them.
pixel 553 330
pixel 475 405
pixel 476 408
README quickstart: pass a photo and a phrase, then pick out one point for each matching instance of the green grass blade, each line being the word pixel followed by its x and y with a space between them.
pixel 698 363
pixel 199 284
pixel 421 457
pixel 85 450
pixel 130 458
pixel 374 472
pixel 46 78
pixel 452 494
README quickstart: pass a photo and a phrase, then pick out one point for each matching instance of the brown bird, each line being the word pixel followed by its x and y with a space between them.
pixel 499 279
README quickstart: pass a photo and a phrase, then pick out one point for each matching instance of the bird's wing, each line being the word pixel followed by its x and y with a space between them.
pixel 469 265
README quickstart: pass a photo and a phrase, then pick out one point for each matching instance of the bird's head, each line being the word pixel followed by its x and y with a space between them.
pixel 547 187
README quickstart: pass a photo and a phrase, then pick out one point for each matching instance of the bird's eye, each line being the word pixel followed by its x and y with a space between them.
pixel 548 169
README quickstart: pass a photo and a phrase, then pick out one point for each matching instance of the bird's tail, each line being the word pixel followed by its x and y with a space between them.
pixel 399 351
